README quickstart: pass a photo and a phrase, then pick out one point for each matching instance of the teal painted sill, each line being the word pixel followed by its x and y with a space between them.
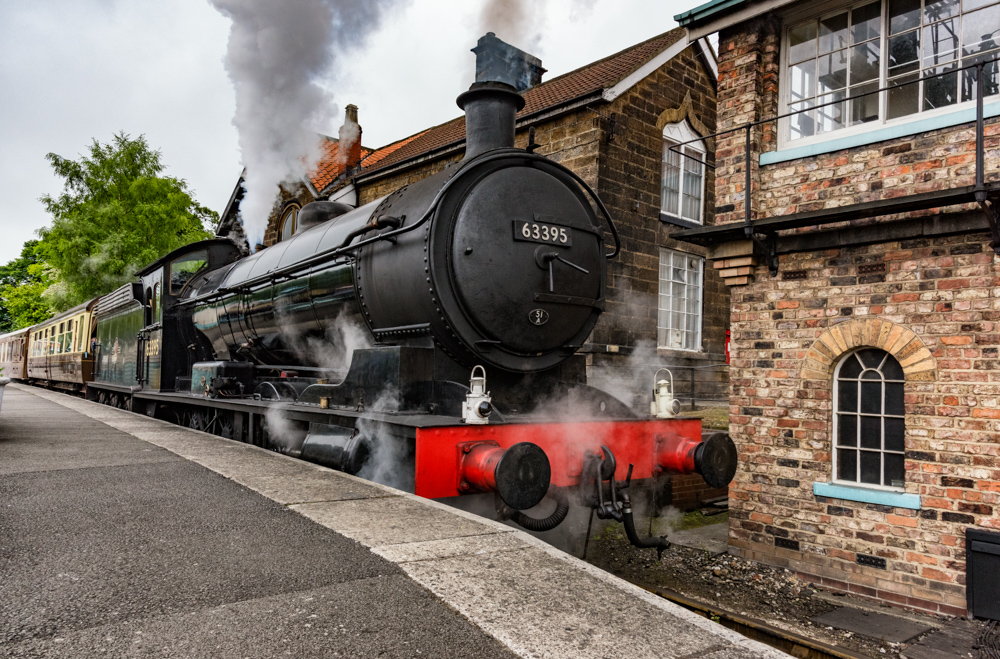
pixel 882 134
pixel 867 495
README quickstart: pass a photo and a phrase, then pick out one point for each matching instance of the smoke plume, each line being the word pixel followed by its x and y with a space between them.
pixel 278 52
pixel 514 22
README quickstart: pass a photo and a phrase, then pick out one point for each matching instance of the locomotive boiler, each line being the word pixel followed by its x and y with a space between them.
pixel 475 288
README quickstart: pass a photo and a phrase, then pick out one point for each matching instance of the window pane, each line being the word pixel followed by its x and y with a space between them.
pixel 866 22
pixel 802 42
pixel 904 52
pixel 847 430
pixel 894 398
pixel 804 123
pixel 871 357
pixel 991 79
pixel 892 370
pixel 969 5
pixel 935 10
pixel 871 375
pixel 832 33
pixel 903 100
pixel 871 466
pixel 871 397
pixel 941 42
pixel 894 434
pixel 803 78
pixel 693 183
pixel 864 109
pixel 865 62
pixel 831 117
pixel 847 465
pixel 832 72
pixel 851 367
pixel 894 472
pixel 981 30
pixel 871 432
pixel 903 15
pixel 671 179
pixel 847 395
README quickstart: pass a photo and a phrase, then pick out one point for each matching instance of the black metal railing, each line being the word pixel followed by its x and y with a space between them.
pixel 980 187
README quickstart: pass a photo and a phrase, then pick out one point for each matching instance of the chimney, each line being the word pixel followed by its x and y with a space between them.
pixel 349 147
pixel 498 61
pixel 492 102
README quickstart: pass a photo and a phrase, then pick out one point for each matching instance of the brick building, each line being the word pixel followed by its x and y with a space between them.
pixel 865 378
pixel 609 122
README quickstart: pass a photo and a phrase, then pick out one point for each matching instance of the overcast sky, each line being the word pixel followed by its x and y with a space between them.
pixel 75 70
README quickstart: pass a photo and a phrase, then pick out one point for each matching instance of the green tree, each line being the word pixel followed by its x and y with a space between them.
pixel 116 214
pixel 22 284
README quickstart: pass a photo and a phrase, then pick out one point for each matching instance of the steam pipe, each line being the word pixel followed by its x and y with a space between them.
pixel 628 521
pixel 545 523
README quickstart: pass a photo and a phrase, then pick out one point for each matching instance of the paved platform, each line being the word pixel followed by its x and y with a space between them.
pixel 122 535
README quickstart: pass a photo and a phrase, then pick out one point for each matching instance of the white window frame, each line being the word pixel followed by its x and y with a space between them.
pixel 666 318
pixel 834 436
pixel 680 133
pixel 784 82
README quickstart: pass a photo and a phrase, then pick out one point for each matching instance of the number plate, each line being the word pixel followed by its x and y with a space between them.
pixel 543 232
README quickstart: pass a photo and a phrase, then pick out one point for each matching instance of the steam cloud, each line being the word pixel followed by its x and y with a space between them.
pixel 278 51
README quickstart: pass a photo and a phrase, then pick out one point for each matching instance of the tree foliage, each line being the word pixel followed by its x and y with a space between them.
pixel 22 284
pixel 115 215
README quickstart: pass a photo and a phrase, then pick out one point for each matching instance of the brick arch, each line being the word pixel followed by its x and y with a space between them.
pixel 916 359
pixel 685 111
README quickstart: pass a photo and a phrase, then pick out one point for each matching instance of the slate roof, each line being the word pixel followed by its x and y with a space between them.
pixel 586 80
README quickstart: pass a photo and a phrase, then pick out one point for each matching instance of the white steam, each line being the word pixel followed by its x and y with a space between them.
pixel 278 51
pixel 350 133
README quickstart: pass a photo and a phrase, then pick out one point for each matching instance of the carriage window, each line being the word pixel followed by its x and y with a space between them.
pixel 869 423
pixel 185 268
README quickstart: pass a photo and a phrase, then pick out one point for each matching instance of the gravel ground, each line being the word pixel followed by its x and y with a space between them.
pixel 753 590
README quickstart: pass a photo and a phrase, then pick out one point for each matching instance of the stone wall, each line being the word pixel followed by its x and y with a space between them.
pixel 937 309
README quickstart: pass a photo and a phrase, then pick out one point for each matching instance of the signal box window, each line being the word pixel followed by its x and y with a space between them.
pixel 683 183
pixel 869 422
pixel 886 43
pixel 678 325
pixel 185 268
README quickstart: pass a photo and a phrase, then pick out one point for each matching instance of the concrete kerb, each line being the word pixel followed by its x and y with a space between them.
pixel 533 598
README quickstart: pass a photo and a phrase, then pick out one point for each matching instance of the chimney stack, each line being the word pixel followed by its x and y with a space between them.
pixel 349 139
pixel 498 61
pixel 492 102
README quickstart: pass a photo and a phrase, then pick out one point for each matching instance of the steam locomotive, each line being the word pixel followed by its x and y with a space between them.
pixel 475 288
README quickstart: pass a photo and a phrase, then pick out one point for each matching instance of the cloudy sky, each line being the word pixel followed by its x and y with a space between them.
pixel 76 70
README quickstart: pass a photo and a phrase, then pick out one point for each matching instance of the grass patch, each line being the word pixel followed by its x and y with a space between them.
pixel 695 519
pixel 715 418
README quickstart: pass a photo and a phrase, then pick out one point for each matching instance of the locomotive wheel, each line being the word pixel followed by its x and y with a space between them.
pixel 127 404
pixel 113 400
pixel 102 397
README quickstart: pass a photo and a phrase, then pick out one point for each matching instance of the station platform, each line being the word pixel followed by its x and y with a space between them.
pixel 125 536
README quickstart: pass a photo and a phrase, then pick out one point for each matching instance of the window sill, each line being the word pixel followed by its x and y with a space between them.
pixel 879 135
pixel 867 495
pixel 676 221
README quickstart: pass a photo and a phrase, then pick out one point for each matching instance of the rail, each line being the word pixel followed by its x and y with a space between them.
pixel 768 243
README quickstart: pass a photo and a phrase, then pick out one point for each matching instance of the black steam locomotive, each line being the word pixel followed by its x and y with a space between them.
pixel 494 267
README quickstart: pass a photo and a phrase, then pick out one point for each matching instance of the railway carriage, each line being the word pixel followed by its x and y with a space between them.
pixel 13 354
pixel 60 350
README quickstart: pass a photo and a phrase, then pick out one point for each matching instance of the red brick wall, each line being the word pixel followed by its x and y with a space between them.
pixel 935 306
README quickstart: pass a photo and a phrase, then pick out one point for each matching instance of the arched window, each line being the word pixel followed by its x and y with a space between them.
pixel 868 425
pixel 683 184
pixel 288 223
